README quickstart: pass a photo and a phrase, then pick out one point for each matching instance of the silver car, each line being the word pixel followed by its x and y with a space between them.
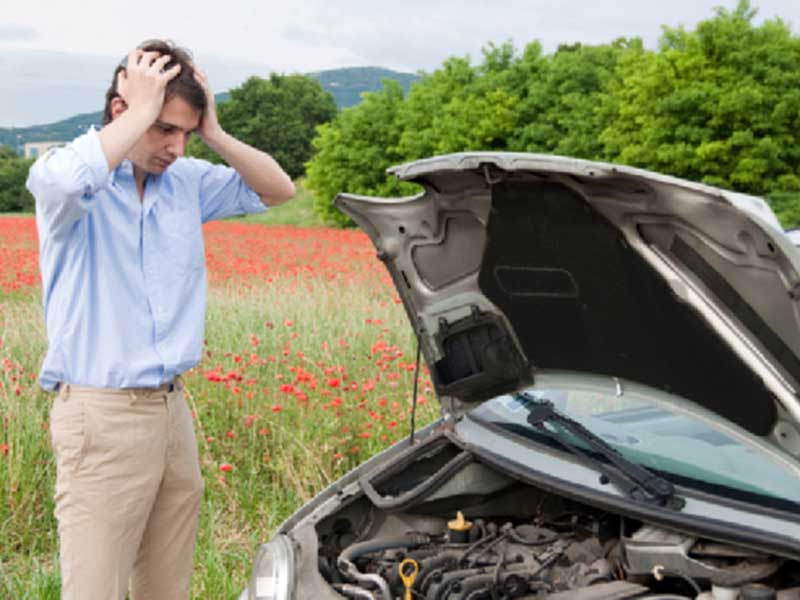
pixel 617 356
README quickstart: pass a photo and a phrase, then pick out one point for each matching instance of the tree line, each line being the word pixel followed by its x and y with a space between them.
pixel 719 104
pixel 14 196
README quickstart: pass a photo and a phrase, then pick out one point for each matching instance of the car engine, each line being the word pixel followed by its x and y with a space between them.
pixel 570 556
pixel 477 534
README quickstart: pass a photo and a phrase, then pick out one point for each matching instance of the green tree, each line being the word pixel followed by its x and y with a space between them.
pixel 461 107
pixel 720 104
pixel 456 108
pixel 278 115
pixel 14 196
pixel 563 107
pixel 353 151
pixel 787 208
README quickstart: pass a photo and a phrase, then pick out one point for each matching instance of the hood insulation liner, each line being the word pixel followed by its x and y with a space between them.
pixel 580 299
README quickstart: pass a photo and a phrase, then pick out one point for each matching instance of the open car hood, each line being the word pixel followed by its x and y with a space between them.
pixel 511 263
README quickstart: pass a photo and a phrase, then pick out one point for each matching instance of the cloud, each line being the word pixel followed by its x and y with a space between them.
pixel 11 33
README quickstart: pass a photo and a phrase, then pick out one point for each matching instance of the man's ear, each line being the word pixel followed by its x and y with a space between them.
pixel 118 106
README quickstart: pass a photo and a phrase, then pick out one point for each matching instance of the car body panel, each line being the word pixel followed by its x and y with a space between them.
pixel 510 264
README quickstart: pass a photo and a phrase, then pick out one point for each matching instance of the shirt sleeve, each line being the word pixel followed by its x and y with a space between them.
pixel 224 193
pixel 64 182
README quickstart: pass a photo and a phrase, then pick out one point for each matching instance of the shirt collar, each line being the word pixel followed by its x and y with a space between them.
pixel 125 170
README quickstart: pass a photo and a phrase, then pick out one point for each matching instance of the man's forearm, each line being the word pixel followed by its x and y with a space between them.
pixel 259 170
pixel 120 136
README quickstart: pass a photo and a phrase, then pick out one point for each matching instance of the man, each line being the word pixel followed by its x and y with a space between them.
pixel 119 215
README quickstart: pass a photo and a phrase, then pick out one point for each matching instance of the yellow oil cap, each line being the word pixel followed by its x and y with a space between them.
pixel 459 523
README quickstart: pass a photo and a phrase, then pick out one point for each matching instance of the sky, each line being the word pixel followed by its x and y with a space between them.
pixel 56 58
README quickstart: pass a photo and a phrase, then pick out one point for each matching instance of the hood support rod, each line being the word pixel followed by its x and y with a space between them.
pixel 416 389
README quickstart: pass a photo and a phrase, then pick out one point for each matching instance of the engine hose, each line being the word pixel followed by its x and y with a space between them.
pixel 428 568
pixel 745 573
pixel 359 549
pixel 351 571
pixel 347 566
pixel 353 591
pixel 734 576
pixel 452 579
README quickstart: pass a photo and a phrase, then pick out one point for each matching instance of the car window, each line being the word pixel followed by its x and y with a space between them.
pixel 691 450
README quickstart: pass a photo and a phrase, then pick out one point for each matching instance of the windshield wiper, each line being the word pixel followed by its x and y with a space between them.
pixel 632 479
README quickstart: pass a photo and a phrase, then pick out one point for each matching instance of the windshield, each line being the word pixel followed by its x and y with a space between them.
pixel 660 432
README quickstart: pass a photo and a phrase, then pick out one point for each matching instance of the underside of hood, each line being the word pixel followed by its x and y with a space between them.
pixel 510 263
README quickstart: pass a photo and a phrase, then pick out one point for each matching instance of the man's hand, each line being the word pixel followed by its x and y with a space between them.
pixel 209 128
pixel 141 87
pixel 143 82
pixel 257 168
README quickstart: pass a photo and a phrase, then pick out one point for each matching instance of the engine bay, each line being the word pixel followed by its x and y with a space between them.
pixel 425 531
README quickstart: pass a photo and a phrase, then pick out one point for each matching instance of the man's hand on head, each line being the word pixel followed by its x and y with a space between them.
pixel 141 88
pixel 209 128
pixel 143 82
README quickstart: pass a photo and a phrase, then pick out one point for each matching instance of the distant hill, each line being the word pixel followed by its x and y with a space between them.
pixel 345 85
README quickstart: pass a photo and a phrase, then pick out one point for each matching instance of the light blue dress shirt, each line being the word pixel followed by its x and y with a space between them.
pixel 124 280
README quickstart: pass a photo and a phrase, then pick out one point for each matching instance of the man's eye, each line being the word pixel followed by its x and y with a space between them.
pixel 165 129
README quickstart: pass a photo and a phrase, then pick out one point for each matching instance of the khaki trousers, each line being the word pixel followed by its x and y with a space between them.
pixel 128 492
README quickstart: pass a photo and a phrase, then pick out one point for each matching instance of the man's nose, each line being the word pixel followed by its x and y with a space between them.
pixel 177 143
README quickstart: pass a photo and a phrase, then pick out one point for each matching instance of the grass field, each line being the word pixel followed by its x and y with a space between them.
pixel 308 370
pixel 299 212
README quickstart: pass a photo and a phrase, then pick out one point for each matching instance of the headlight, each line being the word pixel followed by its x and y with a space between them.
pixel 273 571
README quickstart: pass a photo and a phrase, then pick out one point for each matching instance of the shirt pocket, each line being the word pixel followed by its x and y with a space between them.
pixel 183 236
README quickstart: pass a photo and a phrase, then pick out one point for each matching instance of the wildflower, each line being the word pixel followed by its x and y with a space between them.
pixel 226 467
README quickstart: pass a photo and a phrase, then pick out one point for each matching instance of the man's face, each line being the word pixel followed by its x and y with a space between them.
pixel 166 139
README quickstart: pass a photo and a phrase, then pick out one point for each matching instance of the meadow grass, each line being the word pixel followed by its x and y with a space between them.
pixel 303 378
pixel 298 212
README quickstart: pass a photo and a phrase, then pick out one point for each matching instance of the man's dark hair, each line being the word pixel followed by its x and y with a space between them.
pixel 184 85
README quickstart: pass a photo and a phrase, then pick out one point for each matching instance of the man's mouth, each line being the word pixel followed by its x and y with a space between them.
pixel 163 163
